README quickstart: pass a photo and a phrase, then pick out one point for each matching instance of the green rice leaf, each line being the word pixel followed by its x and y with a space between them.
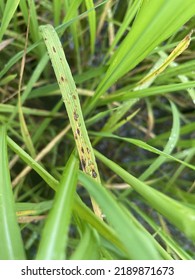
pixel 174 136
pixel 92 23
pixel 154 23
pixel 11 245
pixel 89 246
pixel 139 245
pixel 181 216
pixel 55 233
pixel 9 10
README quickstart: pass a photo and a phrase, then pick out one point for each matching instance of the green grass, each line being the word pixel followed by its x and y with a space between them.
pixel 110 175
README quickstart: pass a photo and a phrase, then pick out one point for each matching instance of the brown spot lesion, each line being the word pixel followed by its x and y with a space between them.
pixel 78 131
pixel 74 97
pixel 82 150
pixel 76 116
pixel 54 50
pixel 94 174
pixel 83 164
pixel 62 79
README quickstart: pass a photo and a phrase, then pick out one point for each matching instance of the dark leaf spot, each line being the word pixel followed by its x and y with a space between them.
pixel 54 49
pixel 94 174
pixel 76 116
pixel 83 163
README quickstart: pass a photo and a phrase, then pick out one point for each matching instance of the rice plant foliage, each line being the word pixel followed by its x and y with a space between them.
pixel 111 174
pixel 11 242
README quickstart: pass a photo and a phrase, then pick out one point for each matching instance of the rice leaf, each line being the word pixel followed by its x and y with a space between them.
pixel 55 233
pixel 11 245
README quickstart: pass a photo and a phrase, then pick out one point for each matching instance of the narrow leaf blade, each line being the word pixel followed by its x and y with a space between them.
pixel 11 246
